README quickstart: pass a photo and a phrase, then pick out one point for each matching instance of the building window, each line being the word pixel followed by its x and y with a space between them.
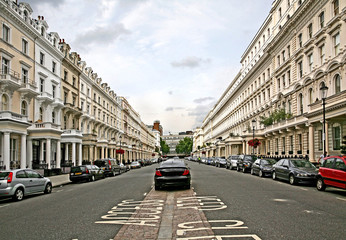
pixel 88 92
pixel 41 58
pixel 336 42
pixel 289 51
pixel 65 122
pixel 310 31
pixel 320 140
pixel 65 75
pixel 24 75
pixel 24 46
pixel 337 84
pixel 4 102
pixel 5 66
pixel 300 40
pixel 283 56
pixel 53 117
pixel 280 13
pixel 53 91
pixel 73 81
pixel 310 96
pixel 300 69
pixel 336 7
pixel 336 136
pixel 300 101
pixel 311 62
pixel 24 108
pixel 41 85
pixel 65 97
pixel 82 105
pixel 283 145
pixel 291 144
pixel 299 143
pixel 278 57
pixel 289 77
pixel 82 87
pixel 322 54
pixel 321 19
pixel 74 101
pixel 289 106
pixel 5 33
pixel 53 66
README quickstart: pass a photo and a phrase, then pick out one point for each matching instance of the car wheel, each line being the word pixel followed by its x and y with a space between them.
pixel 244 169
pixel 48 188
pixel 320 184
pixel 260 174
pixel 292 179
pixel 252 173
pixel 238 169
pixel 274 176
pixel 92 178
pixel 18 195
pixel 113 173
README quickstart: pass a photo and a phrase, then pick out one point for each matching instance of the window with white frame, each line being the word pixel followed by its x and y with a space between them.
pixel 41 114
pixel 336 136
pixel 53 66
pixel 336 7
pixel 310 96
pixel 41 58
pixel 300 40
pixel 24 75
pixel 300 69
pixel 336 42
pixel 53 91
pixel 337 81
pixel 310 31
pixel 41 85
pixel 24 108
pixel 53 117
pixel 322 54
pixel 300 102
pixel 25 46
pixel 311 62
pixel 5 66
pixel 321 19
pixel 6 33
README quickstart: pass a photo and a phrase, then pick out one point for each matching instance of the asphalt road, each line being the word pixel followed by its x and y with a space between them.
pixel 266 208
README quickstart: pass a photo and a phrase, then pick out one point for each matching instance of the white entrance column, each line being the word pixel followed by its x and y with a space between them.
pixel 29 153
pixel 41 151
pixel 66 152
pixel 48 149
pixel 73 154
pixel 311 143
pixel 23 151
pixel 80 154
pixel 6 150
pixel 58 154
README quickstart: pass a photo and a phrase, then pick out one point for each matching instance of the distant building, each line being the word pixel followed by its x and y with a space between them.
pixel 172 140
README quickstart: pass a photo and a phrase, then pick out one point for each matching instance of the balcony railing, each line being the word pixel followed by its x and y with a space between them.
pixel 46 125
pixel 13 116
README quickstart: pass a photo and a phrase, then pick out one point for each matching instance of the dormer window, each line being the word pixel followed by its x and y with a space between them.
pixel 25 16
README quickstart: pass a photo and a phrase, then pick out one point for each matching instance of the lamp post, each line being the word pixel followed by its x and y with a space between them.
pixel 324 90
pixel 253 135
pixel 120 149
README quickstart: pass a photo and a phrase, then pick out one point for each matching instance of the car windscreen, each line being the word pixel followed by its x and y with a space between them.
pixel 250 158
pixel 172 163
pixel 268 161
pixel 302 164
pixel 77 169
pixel 3 175
pixel 100 163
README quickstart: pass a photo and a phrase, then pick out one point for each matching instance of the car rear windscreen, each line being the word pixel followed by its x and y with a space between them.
pixel 77 169
pixel 3 175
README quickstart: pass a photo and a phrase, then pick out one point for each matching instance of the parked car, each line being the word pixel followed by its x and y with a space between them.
pixel 245 162
pixel 123 168
pixel 263 167
pixel 135 164
pixel 109 166
pixel 86 173
pixel 22 182
pixel 294 170
pixel 172 173
pixel 232 162
pixel 332 172
pixel 221 162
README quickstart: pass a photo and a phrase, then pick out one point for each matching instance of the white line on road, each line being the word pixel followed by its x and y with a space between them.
pixel 145 194
pixel 4 205
pixel 342 199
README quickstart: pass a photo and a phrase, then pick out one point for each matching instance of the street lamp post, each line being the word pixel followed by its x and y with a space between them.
pixel 324 90
pixel 253 135
pixel 120 149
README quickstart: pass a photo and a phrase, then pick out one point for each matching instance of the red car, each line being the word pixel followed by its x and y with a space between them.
pixel 332 172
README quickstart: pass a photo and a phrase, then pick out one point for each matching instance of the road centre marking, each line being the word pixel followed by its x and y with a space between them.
pixel 221 237
pixel 205 203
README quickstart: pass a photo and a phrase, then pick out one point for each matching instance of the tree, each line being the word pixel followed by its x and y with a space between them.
pixel 184 146
pixel 164 147
pixel 343 147
pixel 276 116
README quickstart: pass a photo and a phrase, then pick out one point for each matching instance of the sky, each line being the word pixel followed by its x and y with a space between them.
pixel 171 59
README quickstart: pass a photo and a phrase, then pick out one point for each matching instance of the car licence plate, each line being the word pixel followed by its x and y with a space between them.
pixel 78 173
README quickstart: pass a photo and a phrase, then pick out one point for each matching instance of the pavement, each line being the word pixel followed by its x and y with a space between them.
pixel 59 180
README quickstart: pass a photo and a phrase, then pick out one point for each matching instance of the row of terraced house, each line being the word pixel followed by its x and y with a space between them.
pixel 277 96
pixel 54 110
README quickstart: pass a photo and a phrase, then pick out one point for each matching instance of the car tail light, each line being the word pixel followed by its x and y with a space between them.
pixel 87 171
pixel 10 177
pixel 186 172
pixel 109 164
pixel 158 173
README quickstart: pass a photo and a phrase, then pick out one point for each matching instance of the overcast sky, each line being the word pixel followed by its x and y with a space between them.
pixel 171 59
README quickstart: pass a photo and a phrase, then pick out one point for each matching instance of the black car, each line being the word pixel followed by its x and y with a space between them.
pixel 245 162
pixel 86 173
pixel 173 173
pixel 263 167
pixel 109 166
pixel 294 170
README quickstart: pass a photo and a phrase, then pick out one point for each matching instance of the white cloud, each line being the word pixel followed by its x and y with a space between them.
pixel 190 62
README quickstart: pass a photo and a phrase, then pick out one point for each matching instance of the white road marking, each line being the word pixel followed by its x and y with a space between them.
pixel 280 200
pixel 145 194
pixel 342 199
pixel 4 205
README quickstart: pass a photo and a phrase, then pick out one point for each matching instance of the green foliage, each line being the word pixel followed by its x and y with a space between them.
pixel 157 149
pixel 276 116
pixel 184 146
pixel 343 146
pixel 164 147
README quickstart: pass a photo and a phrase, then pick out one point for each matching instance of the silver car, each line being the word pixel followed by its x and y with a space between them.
pixel 20 182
